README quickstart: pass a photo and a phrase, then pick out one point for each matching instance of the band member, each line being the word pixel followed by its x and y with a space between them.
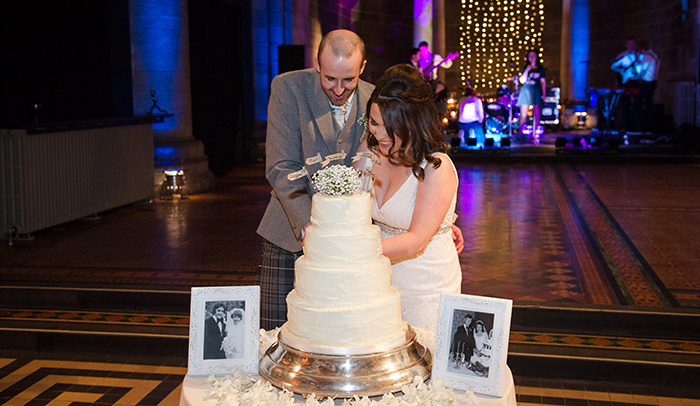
pixel 415 58
pixel 429 64
pixel 648 69
pixel 471 117
pixel 625 65
pixel 532 93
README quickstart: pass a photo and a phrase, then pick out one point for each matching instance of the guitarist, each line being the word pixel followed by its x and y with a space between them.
pixel 626 66
pixel 428 64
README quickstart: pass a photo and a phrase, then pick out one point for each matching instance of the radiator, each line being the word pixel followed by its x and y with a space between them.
pixel 51 178
pixel 684 111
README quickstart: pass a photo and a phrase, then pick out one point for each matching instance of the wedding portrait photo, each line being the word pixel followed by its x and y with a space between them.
pixel 470 348
pixel 224 330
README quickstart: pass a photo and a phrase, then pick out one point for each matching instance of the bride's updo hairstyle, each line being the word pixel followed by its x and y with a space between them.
pixel 406 103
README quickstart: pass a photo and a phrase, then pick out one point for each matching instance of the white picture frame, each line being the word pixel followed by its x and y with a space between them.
pixel 241 328
pixel 483 372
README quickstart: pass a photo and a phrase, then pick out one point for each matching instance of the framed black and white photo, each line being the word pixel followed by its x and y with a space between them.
pixel 471 344
pixel 224 330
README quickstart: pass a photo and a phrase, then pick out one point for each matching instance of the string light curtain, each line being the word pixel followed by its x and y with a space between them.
pixel 494 36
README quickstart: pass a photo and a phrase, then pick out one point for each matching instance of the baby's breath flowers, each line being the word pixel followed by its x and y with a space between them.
pixel 240 389
pixel 363 121
pixel 337 180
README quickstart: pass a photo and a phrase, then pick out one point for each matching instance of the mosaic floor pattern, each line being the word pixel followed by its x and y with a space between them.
pixel 81 380
pixel 39 381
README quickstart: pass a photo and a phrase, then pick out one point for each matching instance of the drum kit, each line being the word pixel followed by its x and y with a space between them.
pixel 501 112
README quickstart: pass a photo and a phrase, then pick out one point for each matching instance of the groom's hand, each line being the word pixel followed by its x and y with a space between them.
pixel 457 238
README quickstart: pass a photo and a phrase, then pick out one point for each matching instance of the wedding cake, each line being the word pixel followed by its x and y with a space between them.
pixel 344 334
pixel 343 295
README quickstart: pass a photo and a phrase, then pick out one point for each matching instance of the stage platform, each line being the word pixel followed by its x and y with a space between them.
pixel 678 147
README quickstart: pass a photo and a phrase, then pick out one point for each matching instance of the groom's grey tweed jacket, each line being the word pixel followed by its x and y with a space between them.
pixel 300 125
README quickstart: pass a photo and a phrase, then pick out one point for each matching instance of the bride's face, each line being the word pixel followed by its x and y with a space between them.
pixel 378 130
pixel 236 318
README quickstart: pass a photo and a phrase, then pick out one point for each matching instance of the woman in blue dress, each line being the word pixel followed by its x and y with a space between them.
pixel 532 93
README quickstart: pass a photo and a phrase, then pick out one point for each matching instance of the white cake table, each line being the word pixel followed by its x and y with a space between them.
pixel 194 393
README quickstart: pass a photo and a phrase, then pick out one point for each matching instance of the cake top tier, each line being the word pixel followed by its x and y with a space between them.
pixel 337 180
pixel 341 214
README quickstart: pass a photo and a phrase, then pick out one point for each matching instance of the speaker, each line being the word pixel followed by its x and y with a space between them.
pixel 488 142
pixel 291 57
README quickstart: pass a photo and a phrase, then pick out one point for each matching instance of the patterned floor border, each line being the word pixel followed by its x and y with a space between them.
pixel 516 337
pixel 45 381
pixel 602 342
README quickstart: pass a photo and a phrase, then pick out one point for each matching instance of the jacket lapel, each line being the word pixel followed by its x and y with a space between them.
pixel 322 114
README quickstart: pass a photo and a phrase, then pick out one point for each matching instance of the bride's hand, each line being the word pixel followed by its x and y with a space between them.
pixel 303 233
pixel 457 238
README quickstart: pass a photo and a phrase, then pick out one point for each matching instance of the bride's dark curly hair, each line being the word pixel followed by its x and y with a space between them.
pixel 406 103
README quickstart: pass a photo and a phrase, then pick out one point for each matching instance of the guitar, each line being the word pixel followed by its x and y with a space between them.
pixel 626 66
pixel 427 72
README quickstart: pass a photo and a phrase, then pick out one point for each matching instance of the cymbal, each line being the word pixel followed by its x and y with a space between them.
pixel 512 77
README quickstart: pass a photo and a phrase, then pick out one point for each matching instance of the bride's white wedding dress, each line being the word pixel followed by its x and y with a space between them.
pixel 235 337
pixel 420 279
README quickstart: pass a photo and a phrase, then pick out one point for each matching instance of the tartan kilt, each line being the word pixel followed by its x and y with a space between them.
pixel 276 280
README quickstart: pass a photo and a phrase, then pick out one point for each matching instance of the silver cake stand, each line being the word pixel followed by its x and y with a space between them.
pixel 346 375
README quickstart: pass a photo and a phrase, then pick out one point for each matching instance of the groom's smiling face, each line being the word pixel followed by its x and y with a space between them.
pixel 219 313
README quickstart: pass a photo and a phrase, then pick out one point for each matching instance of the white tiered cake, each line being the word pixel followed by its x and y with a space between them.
pixel 343 295
pixel 344 334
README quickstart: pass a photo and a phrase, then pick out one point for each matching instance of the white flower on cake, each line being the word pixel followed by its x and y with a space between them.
pixel 337 180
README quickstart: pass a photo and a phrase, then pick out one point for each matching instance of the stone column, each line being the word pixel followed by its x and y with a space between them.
pixel 422 21
pixel 438 45
pixel 580 46
pixel 565 51
pixel 160 62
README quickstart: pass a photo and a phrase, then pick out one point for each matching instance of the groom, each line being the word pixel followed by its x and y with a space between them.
pixel 214 333
pixel 311 111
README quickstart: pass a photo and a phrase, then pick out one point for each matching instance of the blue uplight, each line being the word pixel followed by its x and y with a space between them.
pixel 164 152
pixel 158 32
pixel 580 47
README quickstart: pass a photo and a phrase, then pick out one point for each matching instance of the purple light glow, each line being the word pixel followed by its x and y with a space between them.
pixel 423 11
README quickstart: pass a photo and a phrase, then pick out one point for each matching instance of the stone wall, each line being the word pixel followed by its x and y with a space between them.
pixel 385 26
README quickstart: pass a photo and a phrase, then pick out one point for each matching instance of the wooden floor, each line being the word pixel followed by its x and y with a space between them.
pixel 594 235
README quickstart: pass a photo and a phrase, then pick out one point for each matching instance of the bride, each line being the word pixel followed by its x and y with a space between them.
pixel 482 349
pixel 414 194
pixel 235 338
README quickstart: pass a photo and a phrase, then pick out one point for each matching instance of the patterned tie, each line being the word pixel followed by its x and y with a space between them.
pixel 339 114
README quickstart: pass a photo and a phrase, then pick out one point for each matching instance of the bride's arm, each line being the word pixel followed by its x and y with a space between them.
pixel 433 200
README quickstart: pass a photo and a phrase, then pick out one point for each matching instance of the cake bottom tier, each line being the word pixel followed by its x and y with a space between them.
pixel 360 325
